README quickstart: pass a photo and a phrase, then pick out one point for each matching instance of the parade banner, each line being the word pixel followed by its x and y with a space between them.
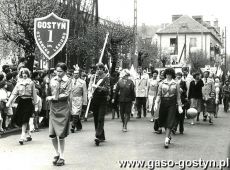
pixel 51 34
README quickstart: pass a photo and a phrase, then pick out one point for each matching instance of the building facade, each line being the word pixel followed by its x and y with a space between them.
pixel 186 35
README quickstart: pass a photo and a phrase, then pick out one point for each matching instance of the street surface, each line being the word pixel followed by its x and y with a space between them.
pixel 209 142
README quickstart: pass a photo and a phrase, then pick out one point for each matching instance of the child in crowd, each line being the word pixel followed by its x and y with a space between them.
pixel 34 121
pixel 3 100
pixel 211 106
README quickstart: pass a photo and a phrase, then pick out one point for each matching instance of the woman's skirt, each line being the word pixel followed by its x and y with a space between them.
pixel 59 119
pixel 167 112
pixel 23 112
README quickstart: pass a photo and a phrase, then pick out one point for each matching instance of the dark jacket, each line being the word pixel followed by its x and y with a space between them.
pixel 103 90
pixel 195 90
pixel 184 93
pixel 125 91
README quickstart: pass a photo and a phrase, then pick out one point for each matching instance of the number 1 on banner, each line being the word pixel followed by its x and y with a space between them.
pixel 50 36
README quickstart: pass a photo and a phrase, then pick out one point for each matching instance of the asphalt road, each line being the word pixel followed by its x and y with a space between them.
pixel 200 141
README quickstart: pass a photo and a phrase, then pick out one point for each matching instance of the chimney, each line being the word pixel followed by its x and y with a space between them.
pixel 198 18
pixel 208 22
pixel 175 17
pixel 215 24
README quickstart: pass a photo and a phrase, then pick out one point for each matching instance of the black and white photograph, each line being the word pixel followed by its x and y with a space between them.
pixel 114 84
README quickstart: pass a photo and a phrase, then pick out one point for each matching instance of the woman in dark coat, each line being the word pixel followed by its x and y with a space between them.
pixel 60 87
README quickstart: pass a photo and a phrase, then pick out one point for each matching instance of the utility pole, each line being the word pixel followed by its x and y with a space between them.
pixel 97 15
pixel 225 49
pixel 135 33
pixel 96 25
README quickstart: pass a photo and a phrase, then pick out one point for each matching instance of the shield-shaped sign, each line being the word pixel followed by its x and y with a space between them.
pixel 51 33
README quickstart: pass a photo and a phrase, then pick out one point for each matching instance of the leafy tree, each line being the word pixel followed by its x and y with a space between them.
pixel 86 48
pixel 197 60
pixel 18 21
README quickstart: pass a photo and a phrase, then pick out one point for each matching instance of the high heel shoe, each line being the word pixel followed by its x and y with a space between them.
pixel 60 162
pixel 28 138
pixel 166 143
pixel 21 141
pixel 56 158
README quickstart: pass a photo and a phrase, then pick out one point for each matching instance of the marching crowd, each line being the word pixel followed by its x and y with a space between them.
pixel 62 96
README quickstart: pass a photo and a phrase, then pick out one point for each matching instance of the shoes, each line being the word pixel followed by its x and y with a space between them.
pixel 97 141
pixel 60 162
pixel 152 120
pixel 167 141
pixel 205 118
pixel 56 158
pixel 192 123
pixel 170 138
pixel 28 138
pixel 138 117
pixel 181 133
pixel 124 129
pixel 21 141
pixel 159 131
pixel 1 131
pixel 174 131
pixel 210 121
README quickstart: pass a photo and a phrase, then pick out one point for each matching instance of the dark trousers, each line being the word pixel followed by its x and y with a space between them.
pixel 76 122
pixel 156 125
pixel 179 121
pixel 125 111
pixel 115 109
pixel 99 110
pixel 141 102
pixel 226 103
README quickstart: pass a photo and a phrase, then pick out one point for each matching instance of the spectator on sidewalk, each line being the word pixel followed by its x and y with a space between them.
pixel 3 100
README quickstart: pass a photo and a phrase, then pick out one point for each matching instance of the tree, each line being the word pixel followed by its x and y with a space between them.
pixel 197 60
pixel 85 49
pixel 17 22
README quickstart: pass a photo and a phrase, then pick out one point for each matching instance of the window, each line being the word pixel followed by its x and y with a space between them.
pixel 173 45
pixel 192 42
pixel 173 42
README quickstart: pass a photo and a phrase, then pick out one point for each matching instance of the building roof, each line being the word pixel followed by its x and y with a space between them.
pixel 184 24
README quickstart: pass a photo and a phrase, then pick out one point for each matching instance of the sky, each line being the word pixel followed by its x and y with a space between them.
pixel 156 12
